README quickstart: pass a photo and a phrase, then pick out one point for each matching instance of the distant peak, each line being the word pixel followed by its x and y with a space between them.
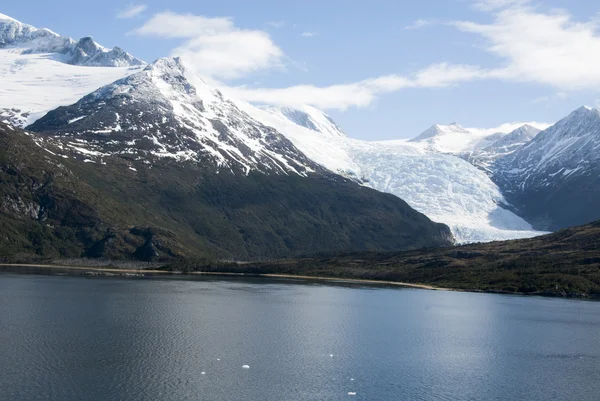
pixel 164 64
pixel 585 110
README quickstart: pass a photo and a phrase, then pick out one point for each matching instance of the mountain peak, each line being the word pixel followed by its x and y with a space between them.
pixel 172 65
pixel 438 130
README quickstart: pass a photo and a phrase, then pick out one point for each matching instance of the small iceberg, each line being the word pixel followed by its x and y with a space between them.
pixel 351 393
pixel 246 367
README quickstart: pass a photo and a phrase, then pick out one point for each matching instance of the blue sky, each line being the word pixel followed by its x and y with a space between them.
pixel 381 69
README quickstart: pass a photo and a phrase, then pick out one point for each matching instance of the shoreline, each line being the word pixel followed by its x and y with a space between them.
pixel 74 271
pixel 154 272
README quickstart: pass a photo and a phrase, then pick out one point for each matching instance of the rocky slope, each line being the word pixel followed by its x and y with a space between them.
pixel 554 180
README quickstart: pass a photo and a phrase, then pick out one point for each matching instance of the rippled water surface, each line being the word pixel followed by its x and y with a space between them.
pixel 74 339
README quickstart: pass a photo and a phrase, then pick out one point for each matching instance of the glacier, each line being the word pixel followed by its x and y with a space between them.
pixel 444 187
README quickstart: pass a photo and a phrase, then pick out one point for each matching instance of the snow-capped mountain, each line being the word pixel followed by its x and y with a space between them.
pixel 17 35
pixel 555 178
pixel 444 187
pixel 166 112
pixel 41 70
pixel 509 143
pixel 505 145
pixel 455 139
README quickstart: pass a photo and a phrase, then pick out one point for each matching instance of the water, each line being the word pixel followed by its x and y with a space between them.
pixel 70 338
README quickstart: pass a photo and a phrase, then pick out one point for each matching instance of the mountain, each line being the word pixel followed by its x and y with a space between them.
pixel 454 139
pixel 554 180
pixel 41 70
pixel 444 187
pixel 17 35
pixel 504 145
pixel 166 112
pixel 564 264
pixel 160 165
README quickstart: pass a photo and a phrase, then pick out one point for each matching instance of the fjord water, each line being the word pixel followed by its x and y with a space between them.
pixel 73 338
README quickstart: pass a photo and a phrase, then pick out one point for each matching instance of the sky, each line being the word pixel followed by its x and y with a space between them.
pixel 382 69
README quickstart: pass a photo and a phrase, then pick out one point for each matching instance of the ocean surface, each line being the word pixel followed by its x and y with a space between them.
pixel 140 339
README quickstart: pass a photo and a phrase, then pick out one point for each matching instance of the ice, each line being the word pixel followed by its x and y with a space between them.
pixel 444 187
pixel 246 366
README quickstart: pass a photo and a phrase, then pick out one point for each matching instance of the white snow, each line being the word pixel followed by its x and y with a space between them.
pixel 71 121
pixel 455 139
pixel 37 83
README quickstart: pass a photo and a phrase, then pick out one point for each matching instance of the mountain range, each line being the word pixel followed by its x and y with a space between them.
pixel 188 170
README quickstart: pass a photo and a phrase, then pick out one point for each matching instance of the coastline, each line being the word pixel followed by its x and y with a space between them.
pixel 113 271
pixel 67 270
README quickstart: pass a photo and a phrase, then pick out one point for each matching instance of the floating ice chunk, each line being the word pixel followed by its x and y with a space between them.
pixel 203 373
pixel 352 380
pixel 246 367
pixel 331 355
pixel 218 359
pixel 351 393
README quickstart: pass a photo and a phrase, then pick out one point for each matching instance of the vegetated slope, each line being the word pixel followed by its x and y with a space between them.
pixel 53 204
pixel 554 180
pixel 565 263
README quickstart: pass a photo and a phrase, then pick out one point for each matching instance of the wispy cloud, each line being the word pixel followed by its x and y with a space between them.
pixel 490 5
pixel 357 94
pixel 215 46
pixel 132 11
pixel 538 47
pixel 550 98
pixel 309 34
pixel 276 24
pixel 419 24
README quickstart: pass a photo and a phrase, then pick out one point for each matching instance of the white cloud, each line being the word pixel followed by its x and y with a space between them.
pixel 419 24
pixel 309 34
pixel 132 11
pixel 215 46
pixel 357 94
pixel 546 48
pixel 531 46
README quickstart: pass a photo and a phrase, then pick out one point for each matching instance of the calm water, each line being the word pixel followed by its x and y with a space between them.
pixel 75 339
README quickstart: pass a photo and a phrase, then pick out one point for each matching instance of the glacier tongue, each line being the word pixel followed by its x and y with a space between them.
pixel 444 187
